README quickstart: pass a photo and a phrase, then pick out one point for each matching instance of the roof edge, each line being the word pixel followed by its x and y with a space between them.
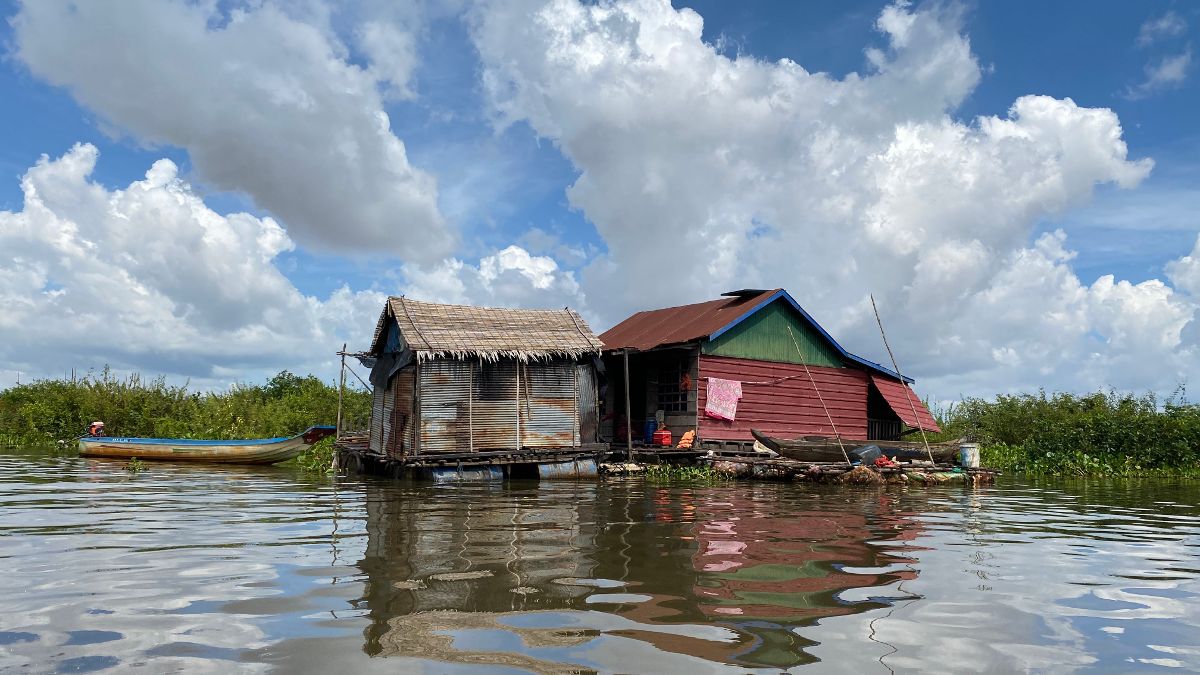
pixel 854 358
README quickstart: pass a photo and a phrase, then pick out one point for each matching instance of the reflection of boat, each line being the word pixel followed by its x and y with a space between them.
pixel 253 451
pixel 821 449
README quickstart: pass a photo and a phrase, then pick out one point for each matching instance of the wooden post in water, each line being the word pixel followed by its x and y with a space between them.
pixel 341 388
pixel 628 422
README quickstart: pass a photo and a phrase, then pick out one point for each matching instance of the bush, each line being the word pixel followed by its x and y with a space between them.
pixel 1094 434
pixel 46 411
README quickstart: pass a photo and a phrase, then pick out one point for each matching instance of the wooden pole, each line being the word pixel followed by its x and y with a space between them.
pixel 341 388
pixel 471 410
pixel 902 383
pixel 820 398
pixel 628 422
pixel 518 403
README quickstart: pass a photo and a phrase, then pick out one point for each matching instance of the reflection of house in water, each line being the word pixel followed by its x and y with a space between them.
pixel 518 539
pixel 740 562
pixel 764 570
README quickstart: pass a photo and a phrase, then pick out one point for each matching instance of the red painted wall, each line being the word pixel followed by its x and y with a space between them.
pixel 789 408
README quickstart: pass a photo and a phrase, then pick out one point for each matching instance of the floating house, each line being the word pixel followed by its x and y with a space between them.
pixel 454 382
pixel 776 368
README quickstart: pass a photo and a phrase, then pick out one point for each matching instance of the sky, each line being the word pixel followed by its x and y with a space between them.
pixel 214 191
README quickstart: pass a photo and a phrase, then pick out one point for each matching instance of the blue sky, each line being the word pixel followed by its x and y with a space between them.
pixel 504 164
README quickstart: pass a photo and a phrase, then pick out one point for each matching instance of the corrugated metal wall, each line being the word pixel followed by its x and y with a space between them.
pixel 548 400
pixel 764 336
pixel 377 419
pixel 470 406
pixel 402 392
pixel 789 408
pixel 444 384
pixel 589 410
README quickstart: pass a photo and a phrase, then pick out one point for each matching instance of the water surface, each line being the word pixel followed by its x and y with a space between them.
pixel 243 569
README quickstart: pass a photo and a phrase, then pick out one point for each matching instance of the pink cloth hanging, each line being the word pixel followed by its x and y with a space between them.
pixel 722 398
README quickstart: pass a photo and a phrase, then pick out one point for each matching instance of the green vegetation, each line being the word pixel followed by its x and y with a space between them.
pixel 1094 435
pixel 135 465
pixel 46 411
pixel 670 473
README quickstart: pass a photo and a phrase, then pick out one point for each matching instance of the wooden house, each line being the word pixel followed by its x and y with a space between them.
pixel 776 352
pixel 450 380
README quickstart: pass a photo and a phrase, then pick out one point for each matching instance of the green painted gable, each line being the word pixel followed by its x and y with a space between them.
pixel 764 336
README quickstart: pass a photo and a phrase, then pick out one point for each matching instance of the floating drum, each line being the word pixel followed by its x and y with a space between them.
pixel 451 474
pixel 968 454
pixel 579 468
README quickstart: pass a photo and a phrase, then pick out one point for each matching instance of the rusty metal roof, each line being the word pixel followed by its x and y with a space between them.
pixel 904 402
pixel 459 331
pixel 708 320
pixel 676 325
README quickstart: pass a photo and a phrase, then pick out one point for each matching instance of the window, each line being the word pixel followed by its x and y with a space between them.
pixel 672 395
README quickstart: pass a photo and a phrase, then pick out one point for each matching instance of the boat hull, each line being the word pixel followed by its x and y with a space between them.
pixel 829 450
pixel 256 451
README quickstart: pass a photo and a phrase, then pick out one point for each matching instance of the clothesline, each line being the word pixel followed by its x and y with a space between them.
pixel 764 382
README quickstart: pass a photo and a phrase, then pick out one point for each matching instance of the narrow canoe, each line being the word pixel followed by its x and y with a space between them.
pixel 251 451
pixel 819 449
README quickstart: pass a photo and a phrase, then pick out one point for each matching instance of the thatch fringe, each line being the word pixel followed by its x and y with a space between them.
pixel 524 356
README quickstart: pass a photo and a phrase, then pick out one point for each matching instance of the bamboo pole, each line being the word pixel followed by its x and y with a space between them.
pixel 341 388
pixel 902 383
pixel 820 398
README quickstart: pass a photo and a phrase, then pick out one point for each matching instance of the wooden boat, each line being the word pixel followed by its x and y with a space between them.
pixel 251 451
pixel 822 449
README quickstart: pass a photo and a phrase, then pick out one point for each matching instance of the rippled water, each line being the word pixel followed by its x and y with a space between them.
pixel 220 569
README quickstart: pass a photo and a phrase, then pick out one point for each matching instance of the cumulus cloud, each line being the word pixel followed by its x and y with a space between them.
pixel 703 172
pixel 149 278
pixel 512 277
pixel 264 101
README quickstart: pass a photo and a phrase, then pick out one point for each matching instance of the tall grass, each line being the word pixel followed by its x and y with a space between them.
pixel 46 411
pixel 1067 434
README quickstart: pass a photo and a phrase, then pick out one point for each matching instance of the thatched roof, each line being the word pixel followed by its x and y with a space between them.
pixel 457 331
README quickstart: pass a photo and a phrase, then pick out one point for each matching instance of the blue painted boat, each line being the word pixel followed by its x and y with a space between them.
pixel 250 451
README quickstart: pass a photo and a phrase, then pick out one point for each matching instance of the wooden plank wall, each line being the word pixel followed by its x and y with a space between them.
pixel 789 408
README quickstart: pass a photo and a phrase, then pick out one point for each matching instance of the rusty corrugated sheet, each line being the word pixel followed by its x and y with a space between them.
pixel 375 440
pixel 492 412
pixel 894 392
pixel 548 405
pixel 401 441
pixel 469 405
pixel 789 408
pixel 589 411
pixel 444 384
pixel 673 325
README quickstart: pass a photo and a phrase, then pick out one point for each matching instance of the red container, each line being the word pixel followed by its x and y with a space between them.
pixel 662 437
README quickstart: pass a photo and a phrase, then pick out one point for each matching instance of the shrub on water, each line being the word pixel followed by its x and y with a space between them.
pixel 1095 434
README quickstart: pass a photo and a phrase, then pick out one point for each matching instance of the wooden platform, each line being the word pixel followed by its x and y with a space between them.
pixel 354 454
pixel 733 458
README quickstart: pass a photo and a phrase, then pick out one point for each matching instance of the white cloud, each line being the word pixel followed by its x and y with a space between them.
pixel 511 277
pixel 1184 273
pixel 263 100
pixel 1168 73
pixel 703 173
pixel 149 278
pixel 1157 28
